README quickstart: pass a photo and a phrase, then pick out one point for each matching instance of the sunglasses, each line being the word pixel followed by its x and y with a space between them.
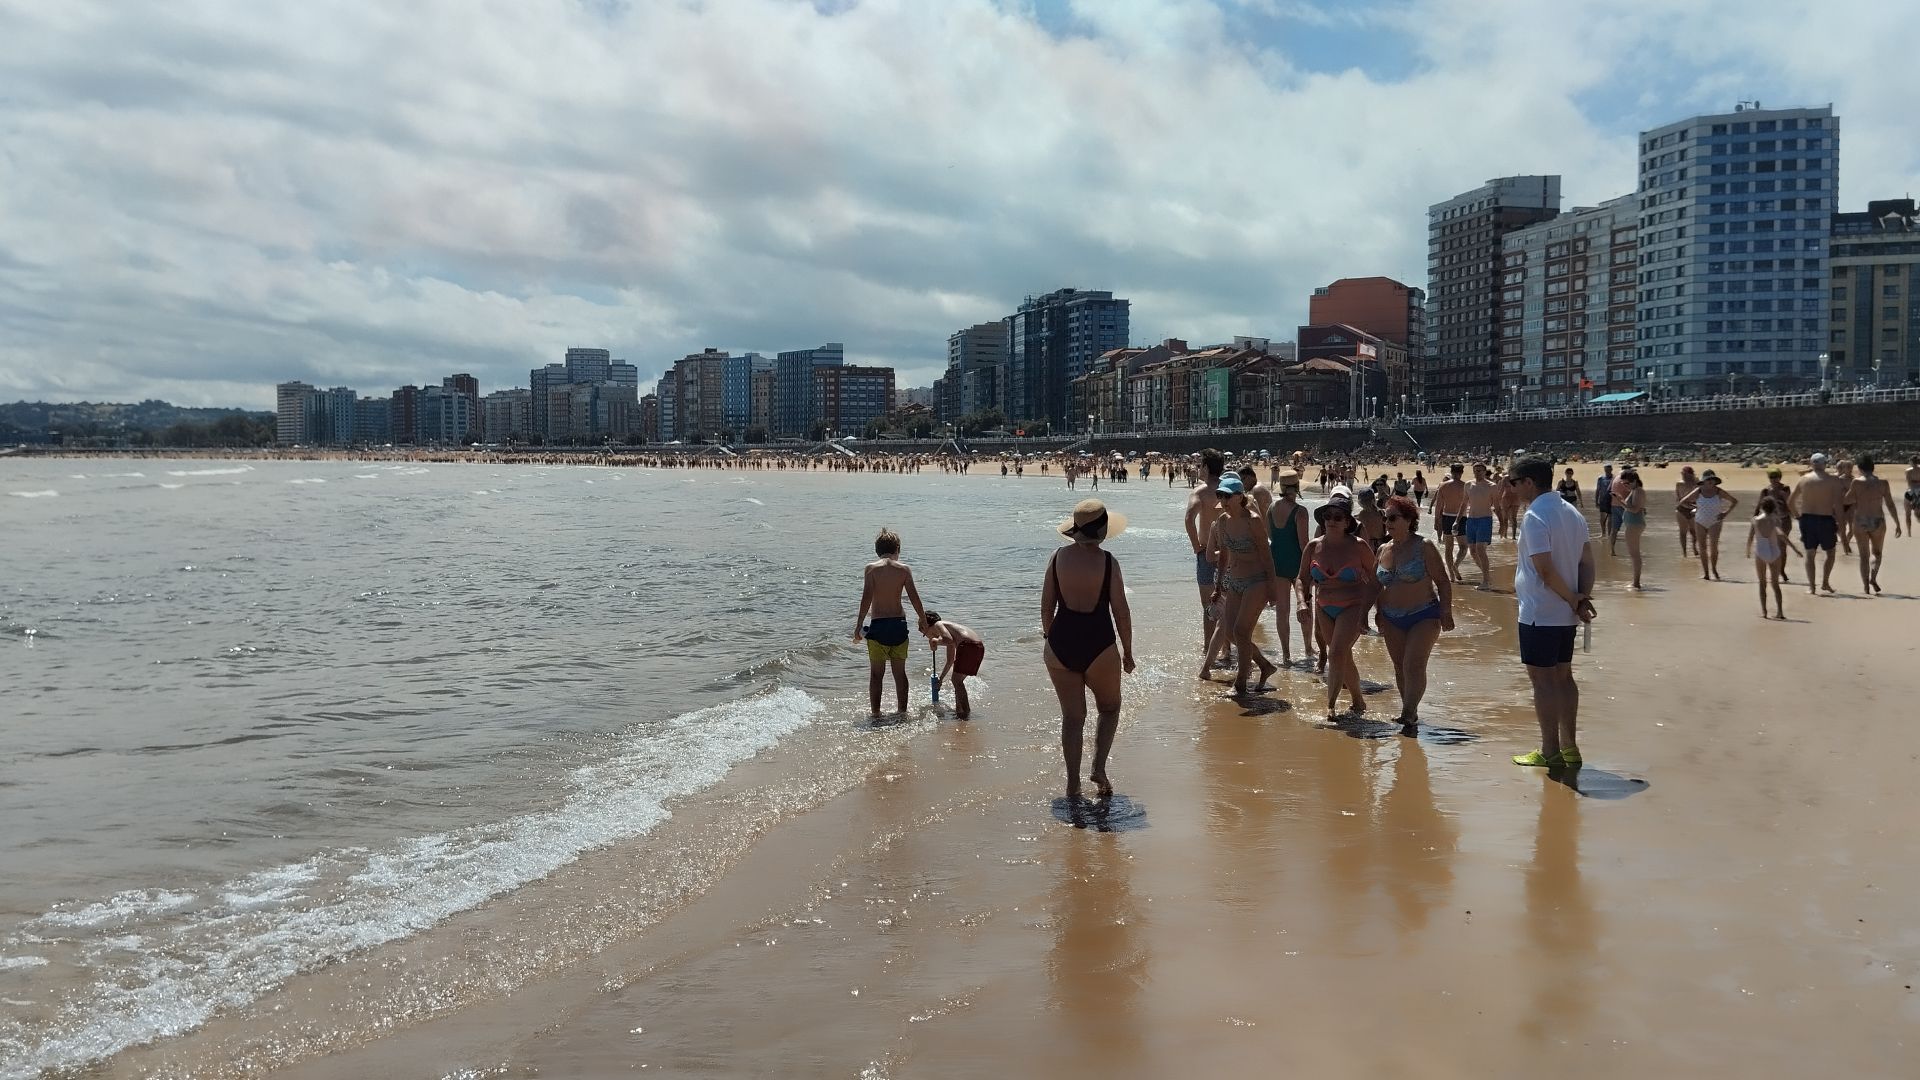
pixel 1395 517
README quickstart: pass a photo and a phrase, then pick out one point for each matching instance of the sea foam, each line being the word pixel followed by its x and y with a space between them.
pixel 258 933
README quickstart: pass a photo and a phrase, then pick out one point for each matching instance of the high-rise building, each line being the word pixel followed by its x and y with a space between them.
pixel 542 381
pixel 1464 234
pixel 650 418
pixel 299 411
pixel 847 397
pixel 404 415
pixel 469 386
pixel 1388 310
pixel 737 389
pixel 793 389
pixel 507 415
pixel 760 396
pixel 668 393
pixel 976 360
pixel 1568 294
pixel 373 420
pixel 1874 331
pixel 701 409
pixel 621 373
pixel 1053 339
pixel 1734 212
pixel 443 416
pixel 589 365
pixel 337 426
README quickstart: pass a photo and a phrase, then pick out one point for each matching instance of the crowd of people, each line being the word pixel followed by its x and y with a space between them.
pixel 1364 566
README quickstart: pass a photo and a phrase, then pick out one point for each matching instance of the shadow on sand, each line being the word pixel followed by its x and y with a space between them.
pixel 1598 783
pixel 1117 813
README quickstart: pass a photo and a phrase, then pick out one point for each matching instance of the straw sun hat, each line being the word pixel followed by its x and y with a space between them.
pixel 1090 511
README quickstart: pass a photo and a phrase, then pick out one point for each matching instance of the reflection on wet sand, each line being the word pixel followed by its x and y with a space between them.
pixel 1098 964
pixel 1561 923
pixel 1418 840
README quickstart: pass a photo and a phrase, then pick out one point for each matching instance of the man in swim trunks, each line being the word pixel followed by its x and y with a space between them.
pixel 1478 527
pixel 965 652
pixel 886 578
pixel 1816 503
pixel 1449 509
pixel 1203 508
pixel 1261 494
pixel 1873 508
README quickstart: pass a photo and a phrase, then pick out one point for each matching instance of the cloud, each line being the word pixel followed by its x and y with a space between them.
pixel 200 199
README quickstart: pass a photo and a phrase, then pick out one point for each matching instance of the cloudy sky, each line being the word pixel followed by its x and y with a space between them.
pixel 201 198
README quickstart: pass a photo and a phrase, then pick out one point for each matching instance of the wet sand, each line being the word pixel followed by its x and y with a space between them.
pixel 1725 890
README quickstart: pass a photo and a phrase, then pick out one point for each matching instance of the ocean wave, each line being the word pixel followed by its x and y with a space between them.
pixel 173 487
pixel 47 494
pixel 308 480
pixel 227 953
pixel 15 963
pixel 118 908
pixel 211 472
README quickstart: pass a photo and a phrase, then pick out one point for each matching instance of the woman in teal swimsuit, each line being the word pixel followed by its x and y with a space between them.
pixel 1244 586
pixel 1337 584
pixel 1633 519
pixel 1287 537
pixel 1415 606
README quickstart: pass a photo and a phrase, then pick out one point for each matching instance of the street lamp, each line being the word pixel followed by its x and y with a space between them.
pixel 1876 373
pixel 1825 359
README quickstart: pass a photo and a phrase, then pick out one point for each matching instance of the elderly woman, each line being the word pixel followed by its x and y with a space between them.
pixel 1083 602
pixel 1337 584
pixel 1415 604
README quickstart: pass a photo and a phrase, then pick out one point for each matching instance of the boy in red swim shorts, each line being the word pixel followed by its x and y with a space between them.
pixel 965 651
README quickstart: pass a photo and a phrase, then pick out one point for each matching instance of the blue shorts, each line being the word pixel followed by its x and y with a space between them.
pixel 1619 516
pixel 1204 571
pixel 1479 530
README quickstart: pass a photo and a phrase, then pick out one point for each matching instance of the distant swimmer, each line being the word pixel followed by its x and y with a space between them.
pixel 1873 510
pixel 966 651
pixel 886 578
pixel 1816 504
pixel 1089 637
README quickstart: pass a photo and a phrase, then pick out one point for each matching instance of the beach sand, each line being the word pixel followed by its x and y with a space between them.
pixel 1727 889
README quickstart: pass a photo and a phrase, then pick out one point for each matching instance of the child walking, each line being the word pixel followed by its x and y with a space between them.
pixel 1765 539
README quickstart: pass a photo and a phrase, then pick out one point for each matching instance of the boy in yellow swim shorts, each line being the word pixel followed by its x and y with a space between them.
pixel 886 636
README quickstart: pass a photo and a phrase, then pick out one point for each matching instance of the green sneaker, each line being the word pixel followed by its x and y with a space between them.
pixel 1538 760
pixel 1570 757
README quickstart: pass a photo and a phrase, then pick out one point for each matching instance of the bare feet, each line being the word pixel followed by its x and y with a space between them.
pixel 1073 790
pixel 1266 672
pixel 1102 785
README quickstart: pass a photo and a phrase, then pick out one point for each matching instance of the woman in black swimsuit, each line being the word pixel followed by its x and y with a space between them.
pixel 1081 604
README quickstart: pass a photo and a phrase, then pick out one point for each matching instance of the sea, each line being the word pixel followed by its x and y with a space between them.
pixel 257 718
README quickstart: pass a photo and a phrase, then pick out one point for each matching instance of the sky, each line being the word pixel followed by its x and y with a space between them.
pixel 202 198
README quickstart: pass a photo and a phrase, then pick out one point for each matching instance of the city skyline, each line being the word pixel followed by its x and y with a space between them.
pixel 279 206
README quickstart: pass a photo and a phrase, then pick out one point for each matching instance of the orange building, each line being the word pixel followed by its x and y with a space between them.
pixel 1386 309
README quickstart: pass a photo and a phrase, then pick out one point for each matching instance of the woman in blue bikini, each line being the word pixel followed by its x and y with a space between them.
pixel 1337 584
pixel 1415 606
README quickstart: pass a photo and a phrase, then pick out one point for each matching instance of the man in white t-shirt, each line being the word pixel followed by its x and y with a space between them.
pixel 1554 583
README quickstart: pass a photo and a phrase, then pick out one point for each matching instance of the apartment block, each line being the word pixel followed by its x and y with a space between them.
pixel 1873 335
pixel 1734 214
pixel 1464 239
pixel 1568 300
